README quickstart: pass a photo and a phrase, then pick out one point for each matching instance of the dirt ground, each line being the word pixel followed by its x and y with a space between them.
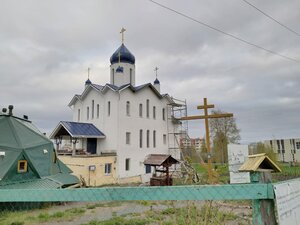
pixel 112 209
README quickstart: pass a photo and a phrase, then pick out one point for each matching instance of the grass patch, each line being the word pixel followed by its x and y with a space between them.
pixel 38 216
pixel 147 203
pixel 120 221
pixel 191 214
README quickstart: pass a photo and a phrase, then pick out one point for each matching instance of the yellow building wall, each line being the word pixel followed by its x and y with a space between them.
pixel 80 167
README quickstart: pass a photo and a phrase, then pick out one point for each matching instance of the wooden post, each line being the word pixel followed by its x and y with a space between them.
pixel 263 212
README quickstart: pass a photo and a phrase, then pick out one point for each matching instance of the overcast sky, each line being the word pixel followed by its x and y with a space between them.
pixel 47 46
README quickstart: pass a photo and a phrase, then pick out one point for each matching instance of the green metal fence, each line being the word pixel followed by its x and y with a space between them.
pixel 254 191
pixel 193 192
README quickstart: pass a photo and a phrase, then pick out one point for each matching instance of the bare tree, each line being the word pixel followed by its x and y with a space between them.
pixel 261 148
pixel 223 131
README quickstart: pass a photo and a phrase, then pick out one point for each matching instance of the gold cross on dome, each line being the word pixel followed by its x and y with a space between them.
pixel 122 33
pixel 155 69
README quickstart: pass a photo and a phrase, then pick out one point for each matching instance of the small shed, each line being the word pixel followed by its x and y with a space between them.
pixel 259 163
pixel 161 164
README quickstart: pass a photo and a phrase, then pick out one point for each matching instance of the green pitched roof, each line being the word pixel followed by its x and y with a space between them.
pixel 21 140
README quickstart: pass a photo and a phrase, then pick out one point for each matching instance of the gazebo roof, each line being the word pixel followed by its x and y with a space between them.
pixel 160 160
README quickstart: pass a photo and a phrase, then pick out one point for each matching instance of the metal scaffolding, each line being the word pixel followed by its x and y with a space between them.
pixel 176 136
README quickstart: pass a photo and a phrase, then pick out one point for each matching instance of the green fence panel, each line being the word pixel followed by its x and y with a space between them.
pixel 193 192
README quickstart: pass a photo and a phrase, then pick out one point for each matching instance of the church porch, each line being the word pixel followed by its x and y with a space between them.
pixel 73 138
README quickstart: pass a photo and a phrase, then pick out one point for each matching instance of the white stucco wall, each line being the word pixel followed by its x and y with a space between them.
pixel 289 155
pixel 115 126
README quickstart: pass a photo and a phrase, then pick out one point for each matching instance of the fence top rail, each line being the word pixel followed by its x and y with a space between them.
pixel 191 192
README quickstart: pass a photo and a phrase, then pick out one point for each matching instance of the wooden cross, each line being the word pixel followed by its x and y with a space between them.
pixel 206 106
pixel 155 69
pixel 122 33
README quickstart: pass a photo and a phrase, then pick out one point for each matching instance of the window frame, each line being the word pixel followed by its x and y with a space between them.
pixel 148 169
pixel 164 139
pixel 93 108
pixel 108 108
pixel 128 108
pixel 25 166
pixel 127 164
pixel 127 138
pixel 141 110
pixel 87 113
pixel 148 138
pixel 141 138
pixel 154 139
pixel 147 108
pixel 107 168
pixel 98 111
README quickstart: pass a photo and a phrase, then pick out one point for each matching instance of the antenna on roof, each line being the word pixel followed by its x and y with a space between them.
pixel 10 109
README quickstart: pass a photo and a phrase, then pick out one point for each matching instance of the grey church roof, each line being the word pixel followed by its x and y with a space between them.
pixel 122 54
pixel 115 88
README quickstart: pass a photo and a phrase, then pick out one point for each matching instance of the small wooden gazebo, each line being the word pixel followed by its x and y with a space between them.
pixel 161 163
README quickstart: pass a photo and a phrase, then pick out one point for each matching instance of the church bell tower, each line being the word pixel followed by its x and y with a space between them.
pixel 122 65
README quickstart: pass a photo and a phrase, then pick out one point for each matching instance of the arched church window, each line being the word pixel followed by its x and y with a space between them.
pixel 141 138
pixel 108 108
pixel 87 113
pixel 154 112
pixel 154 139
pixel 141 110
pixel 113 76
pixel 93 106
pixel 147 108
pixel 130 74
pixel 98 110
pixel 78 118
pixel 128 108
pixel 148 138
pixel 164 114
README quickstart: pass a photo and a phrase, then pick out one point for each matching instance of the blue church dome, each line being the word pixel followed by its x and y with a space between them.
pixel 156 81
pixel 125 56
pixel 88 82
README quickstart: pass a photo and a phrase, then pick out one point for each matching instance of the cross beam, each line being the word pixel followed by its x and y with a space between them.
pixel 214 116
pixel 206 116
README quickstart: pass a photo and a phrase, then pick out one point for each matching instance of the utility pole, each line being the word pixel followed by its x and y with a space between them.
pixel 206 116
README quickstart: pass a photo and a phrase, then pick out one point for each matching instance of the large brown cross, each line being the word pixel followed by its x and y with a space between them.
pixel 206 106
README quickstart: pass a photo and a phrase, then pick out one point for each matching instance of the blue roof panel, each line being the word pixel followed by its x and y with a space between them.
pixel 76 129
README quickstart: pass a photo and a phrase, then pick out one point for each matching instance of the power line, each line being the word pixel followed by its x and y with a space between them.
pixel 272 18
pixel 223 32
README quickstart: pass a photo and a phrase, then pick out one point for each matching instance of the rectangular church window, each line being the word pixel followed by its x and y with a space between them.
pixel 127 164
pixel 22 166
pixel 108 108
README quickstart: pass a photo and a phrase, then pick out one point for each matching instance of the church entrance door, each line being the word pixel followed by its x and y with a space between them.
pixel 92 145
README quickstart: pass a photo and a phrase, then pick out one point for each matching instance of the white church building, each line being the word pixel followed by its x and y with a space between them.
pixel 122 120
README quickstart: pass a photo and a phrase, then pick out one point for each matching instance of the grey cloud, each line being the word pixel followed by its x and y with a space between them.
pixel 47 46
